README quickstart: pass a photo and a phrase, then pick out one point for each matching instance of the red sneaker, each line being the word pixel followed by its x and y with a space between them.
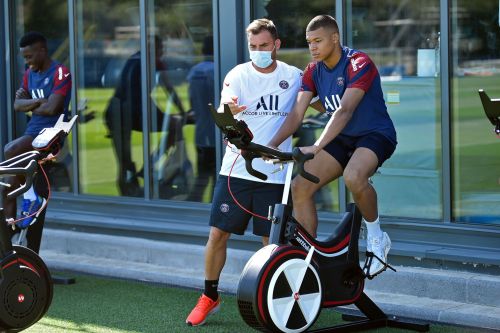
pixel 202 310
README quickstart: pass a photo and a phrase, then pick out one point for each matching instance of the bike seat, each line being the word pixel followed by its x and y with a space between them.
pixel 338 239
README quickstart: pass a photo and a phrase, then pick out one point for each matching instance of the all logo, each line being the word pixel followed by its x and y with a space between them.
pixel 271 104
pixel 37 93
pixel 332 103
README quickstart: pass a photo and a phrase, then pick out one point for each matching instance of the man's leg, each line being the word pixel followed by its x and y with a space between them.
pixel 225 218
pixel 12 149
pixel 360 168
pixel 215 254
pixel 326 168
pixel 215 258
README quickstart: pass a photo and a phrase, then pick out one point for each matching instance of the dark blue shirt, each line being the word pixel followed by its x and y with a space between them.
pixel 354 70
pixel 55 80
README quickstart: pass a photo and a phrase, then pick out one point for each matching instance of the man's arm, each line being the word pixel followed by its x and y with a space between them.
pixel 294 118
pixel 24 103
pixel 53 106
pixel 316 105
pixel 339 119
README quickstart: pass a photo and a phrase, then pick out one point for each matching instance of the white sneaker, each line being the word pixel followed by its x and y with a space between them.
pixel 380 247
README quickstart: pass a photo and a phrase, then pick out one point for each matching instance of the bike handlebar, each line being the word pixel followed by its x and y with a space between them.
pixel 48 142
pixel 238 133
pixel 27 171
pixel 253 150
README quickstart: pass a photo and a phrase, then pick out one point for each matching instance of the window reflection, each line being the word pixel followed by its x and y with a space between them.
pixel 108 35
pixel 56 32
pixel 476 65
pixel 183 142
pixel 402 38
pixel 291 19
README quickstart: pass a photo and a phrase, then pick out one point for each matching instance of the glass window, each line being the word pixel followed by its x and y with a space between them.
pixel 182 140
pixel 402 38
pixel 55 29
pixel 476 65
pixel 109 97
pixel 291 19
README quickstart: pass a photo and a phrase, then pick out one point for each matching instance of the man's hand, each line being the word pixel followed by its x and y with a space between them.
pixel 310 149
pixel 22 94
pixel 235 107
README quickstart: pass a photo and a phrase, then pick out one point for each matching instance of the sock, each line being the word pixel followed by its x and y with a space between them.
pixel 373 228
pixel 211 289
pixel 30 194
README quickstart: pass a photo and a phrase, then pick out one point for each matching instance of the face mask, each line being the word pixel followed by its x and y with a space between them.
pixel 261 59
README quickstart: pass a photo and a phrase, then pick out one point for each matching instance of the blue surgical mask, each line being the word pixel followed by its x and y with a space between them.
pixel 261 59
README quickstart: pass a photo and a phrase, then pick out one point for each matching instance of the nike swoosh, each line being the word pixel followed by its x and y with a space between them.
pixel 66 75
pixel 227 84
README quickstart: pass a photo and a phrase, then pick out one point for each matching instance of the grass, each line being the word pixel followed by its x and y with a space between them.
pixel 103 305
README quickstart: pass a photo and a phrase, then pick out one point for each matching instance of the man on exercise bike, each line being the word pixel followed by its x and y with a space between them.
pixel 357 139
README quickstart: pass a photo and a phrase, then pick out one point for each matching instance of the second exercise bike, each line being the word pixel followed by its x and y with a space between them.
pixel 26 286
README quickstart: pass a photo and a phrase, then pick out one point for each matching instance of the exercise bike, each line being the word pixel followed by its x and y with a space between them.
pixel 26 286
pixel 284 285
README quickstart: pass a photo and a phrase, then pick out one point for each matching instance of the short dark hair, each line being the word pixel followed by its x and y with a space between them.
pixel 31 38
pixel 259 25
pixel 323 21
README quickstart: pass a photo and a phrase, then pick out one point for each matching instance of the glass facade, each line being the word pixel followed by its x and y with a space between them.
pixel 144 69
pixel 475 63
pixel 294 51
pixel 107 35
pixel 403 39
pixel 182 136
pixel 55 28
pixel 111 88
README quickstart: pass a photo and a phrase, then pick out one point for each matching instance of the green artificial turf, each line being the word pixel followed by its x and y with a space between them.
pixel 102 305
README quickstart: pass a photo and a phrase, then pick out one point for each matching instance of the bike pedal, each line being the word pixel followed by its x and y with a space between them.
pixel 368 263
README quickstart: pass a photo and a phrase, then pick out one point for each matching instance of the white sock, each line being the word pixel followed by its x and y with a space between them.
pixel 373 228
pixel 30 194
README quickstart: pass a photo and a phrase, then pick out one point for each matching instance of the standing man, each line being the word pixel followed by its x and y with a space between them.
pixel 124 114
pixel 357 139
pixel 261 92
pixel 45 92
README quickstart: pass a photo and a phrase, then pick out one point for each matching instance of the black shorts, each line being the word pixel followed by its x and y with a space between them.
pixel 343 146
pixel 254 196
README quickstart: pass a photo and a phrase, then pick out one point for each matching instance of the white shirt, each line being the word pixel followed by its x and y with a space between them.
pixel 269 98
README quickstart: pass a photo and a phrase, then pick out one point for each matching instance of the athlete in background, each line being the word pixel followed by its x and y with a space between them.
pixel 45 92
